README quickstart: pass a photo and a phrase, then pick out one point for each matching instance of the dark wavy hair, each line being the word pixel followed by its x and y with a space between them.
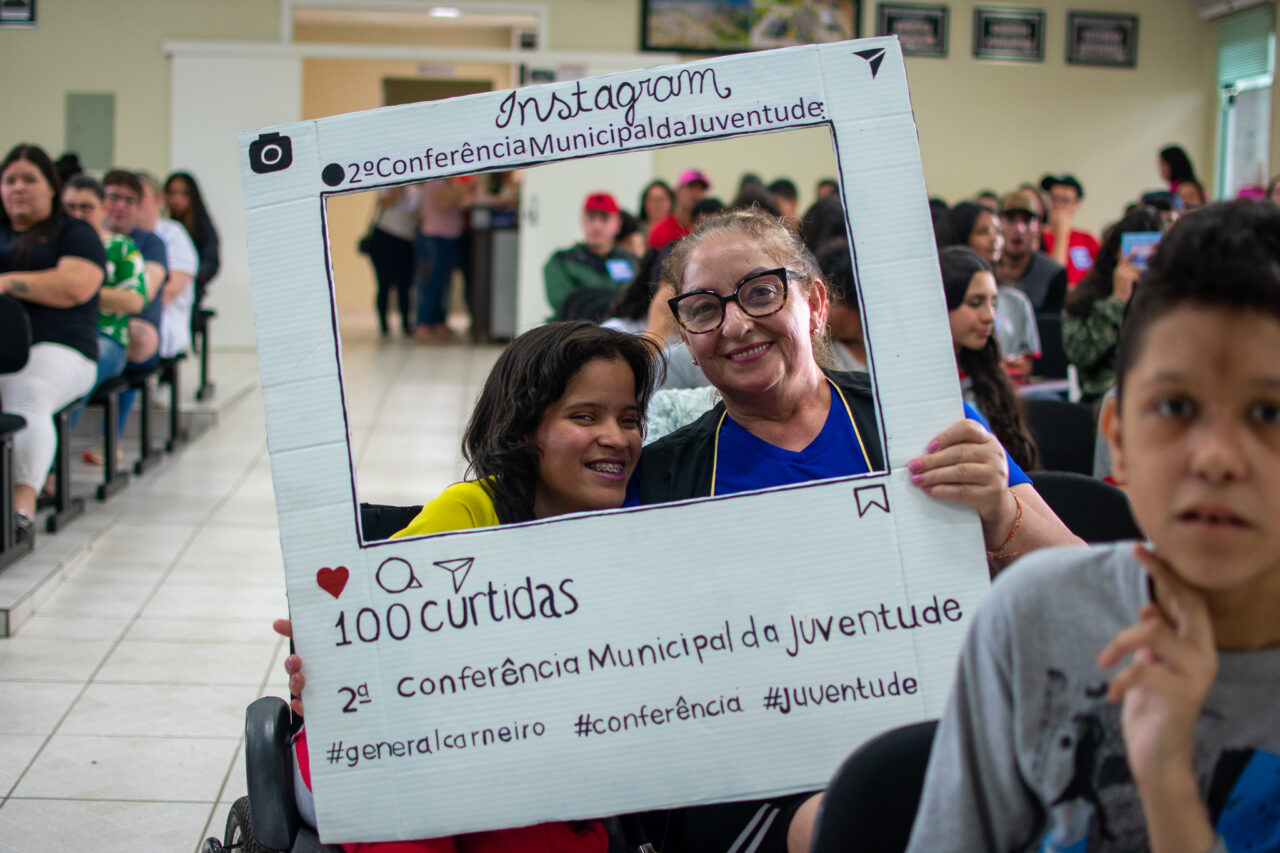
pixel 197 220
pixel 530 375
pixel 1225 256
pixel 1097 283
pixel 46 228
pixel 993 393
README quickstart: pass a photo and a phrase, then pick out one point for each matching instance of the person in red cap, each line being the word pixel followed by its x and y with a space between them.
pixel 595 269
pixel 693 186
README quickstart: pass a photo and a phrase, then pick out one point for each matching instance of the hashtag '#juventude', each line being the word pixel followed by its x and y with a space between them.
pixel 583 727
pixel 335 752
pixel 771 698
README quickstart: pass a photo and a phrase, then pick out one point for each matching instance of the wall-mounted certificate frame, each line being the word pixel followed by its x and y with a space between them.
pixel 921 28
pixel 1097 38
pixel 18 13
pixel 1016 34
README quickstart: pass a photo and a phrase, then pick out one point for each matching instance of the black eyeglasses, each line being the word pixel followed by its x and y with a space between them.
pixel 122 198
pixel 758 295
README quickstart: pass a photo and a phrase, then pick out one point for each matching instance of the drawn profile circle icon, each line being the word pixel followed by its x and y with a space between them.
pixel 332 174
pixel 395 575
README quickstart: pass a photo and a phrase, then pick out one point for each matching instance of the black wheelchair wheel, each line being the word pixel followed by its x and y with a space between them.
pixel 239 834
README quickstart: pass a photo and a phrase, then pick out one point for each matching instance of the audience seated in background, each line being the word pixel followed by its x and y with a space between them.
pixel 593 268
pixel 656 203
pixel 786 198
pixel 1067 245
pixel 969 284
pixel 848 344
pixel 53 264
pixel 1022 265
pixel 185 205
pixel 123 293
pixel 977 228
pixel 693 185
pixel 1094 310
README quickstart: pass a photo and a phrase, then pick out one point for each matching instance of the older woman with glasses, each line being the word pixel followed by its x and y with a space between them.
pixel 752 307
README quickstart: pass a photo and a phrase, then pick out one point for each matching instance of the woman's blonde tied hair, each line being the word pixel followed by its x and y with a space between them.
pixel 778 239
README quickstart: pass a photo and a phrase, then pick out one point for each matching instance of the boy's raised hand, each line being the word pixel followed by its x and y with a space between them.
pixel 1172 665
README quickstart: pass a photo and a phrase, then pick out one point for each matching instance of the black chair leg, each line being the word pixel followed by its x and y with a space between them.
pixel 149 457
pixel 65 507
pixel 10 548
pixel 113 479
pixel 205 391
pixel 177 434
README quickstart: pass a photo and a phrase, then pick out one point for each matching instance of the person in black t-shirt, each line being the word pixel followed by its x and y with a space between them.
pixel 53 264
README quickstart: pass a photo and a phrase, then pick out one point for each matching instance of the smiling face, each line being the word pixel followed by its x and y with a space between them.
pixel 752 360
pixel 974 321
pixel 26 195
pixel 1197 444
pixel 588 441
pixel 986 238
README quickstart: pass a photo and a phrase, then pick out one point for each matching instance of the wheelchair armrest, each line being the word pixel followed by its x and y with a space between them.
pixel 272 808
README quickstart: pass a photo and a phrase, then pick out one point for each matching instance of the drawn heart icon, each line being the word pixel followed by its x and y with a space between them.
pixel 333 581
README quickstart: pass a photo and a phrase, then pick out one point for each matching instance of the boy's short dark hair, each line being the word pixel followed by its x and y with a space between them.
pixel 1225 255
pixel 123 178
pixel 784 188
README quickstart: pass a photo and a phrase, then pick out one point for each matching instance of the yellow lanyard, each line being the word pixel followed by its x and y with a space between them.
pixel 715 457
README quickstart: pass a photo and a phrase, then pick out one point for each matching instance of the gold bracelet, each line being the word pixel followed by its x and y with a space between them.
pixel 1000 553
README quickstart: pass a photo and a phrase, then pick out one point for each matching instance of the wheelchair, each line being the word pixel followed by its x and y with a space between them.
pixel 267 819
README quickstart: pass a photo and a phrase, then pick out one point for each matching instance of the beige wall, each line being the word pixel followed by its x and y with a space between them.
pixel 996 124
pixel 115 46
pixel 986 124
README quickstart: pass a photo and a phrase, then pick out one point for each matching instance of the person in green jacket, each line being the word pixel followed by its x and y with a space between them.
pixel 595 269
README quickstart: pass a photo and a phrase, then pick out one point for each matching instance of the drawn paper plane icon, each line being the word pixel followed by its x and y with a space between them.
pixel 870 496
pixel 874 57
pixel 459 568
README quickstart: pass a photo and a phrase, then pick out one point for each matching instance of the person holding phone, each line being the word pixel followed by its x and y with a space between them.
pixel 1092 313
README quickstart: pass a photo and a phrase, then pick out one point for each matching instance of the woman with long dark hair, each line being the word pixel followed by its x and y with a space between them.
pixel 186 206
pixel 1175 166
pixel 1092 312
pixel 969 283
pixel 53 265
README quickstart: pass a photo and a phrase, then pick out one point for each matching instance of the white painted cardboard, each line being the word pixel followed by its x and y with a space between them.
pixel 710 650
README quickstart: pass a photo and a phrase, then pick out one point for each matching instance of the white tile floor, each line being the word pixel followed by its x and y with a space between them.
pixel 122 694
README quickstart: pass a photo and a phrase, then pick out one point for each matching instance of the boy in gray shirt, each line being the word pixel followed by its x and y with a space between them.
pixel 1128 698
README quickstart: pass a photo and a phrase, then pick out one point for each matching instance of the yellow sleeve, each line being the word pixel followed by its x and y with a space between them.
pixel 462 506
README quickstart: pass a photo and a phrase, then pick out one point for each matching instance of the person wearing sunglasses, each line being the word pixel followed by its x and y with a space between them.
pixel 751 305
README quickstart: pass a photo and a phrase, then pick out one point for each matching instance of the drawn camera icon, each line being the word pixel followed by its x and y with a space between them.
pixel 270 152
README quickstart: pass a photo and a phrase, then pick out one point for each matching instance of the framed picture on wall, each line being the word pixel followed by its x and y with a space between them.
pixel 922 29
pixel 1008 34
pixel 1097 38
pixel 732 26
pixel 17 13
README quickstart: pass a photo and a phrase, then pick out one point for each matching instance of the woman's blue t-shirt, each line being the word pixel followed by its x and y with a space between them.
pixel 745 462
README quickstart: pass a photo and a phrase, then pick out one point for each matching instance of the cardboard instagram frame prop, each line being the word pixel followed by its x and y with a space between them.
pixel 604 663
